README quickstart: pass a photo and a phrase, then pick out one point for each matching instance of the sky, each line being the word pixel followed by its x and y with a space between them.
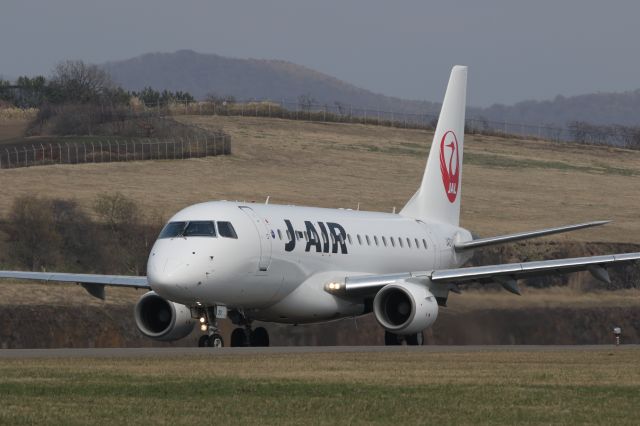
pixel 516 50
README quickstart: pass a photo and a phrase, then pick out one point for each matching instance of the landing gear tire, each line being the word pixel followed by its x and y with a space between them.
pixel 238 338
pixel 260 337
pixel 391 339
pixel 415 339
pixel 204 341
pixel 216 341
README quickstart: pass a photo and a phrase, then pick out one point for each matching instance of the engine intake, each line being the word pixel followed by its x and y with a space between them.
pixel 161 319
pixel 405 308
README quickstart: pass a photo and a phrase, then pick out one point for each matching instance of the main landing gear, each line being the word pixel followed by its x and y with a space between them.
pixel 391 339
pixel 245 335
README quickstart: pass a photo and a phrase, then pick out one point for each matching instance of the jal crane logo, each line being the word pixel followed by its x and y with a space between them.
pixel 450 164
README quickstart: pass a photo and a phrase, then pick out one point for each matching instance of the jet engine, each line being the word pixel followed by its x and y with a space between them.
pixel 405 308
pixel 161 319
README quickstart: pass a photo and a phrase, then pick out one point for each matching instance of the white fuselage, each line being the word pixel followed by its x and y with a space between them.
pixel 276 268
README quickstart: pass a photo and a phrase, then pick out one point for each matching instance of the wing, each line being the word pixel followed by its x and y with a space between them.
pixel 506 274
pixel 482 242
pixel 93 283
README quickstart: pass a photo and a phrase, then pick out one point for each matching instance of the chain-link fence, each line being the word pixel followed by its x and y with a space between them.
pixel 346 113
pixel 103 150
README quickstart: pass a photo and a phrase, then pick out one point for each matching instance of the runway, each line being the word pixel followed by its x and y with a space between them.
pixel 282 350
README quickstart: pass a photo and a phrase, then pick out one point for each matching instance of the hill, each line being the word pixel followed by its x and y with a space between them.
pixel 597 108
pixel 202 74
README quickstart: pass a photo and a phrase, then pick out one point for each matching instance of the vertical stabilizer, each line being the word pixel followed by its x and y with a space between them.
pixel 438 197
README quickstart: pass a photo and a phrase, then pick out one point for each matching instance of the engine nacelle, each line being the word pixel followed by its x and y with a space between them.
pixel 405 308
pixel 161 319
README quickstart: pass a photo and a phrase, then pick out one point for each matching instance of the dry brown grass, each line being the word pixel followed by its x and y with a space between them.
pixel 508 185
pixel 11 129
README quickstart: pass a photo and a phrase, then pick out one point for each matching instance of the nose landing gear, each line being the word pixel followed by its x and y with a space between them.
pixel 209 323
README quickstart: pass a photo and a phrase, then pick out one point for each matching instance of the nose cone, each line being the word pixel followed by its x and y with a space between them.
pixel 177 272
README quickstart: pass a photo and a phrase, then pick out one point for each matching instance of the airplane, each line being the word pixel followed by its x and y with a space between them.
pixel 287 264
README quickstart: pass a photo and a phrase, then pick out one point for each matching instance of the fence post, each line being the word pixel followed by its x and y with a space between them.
pixel 26 157
pixel 206 146
pixel 189 142
pixel 126 151
pixel 34 154
pixel 60 153
pixel 43 154
pixel 8 158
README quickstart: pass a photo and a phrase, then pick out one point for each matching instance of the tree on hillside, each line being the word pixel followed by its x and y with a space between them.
pixel 77 82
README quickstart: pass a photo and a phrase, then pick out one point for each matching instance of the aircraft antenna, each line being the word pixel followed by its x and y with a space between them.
pixel 358 208
pixel 267 200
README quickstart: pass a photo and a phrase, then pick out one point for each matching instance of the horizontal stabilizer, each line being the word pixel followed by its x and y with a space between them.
pixel 482 242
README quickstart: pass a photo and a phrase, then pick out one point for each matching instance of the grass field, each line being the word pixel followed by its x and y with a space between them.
pixel 508 185
pixel 600 386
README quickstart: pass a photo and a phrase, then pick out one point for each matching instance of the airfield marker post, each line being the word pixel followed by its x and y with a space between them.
pixel 617 331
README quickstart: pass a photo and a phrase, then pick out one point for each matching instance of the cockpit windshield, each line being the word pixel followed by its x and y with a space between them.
pixel 202 228
pixel 194 228
pixel 173 229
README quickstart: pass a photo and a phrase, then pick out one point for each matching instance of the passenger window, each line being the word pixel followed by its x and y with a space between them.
pixel 306 236
pixel 417 243
pixel 408 242
pixel 289 235
pixel 359 240
pixel 333 240
pixel 384 241
pixel 424 243
pixel 225 229
pixel 400 242
pixel 375 239
pixel 172 230
pixel 393 241
pixel 349 238
pixel 200 228
pixel 279 235
pixel 368 241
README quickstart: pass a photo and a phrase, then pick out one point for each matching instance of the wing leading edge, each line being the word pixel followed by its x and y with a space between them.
pixel 505 274
pixel 483 242
pixel 93 283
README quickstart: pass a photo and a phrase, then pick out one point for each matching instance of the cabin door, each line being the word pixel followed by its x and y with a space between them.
pixel 264 237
